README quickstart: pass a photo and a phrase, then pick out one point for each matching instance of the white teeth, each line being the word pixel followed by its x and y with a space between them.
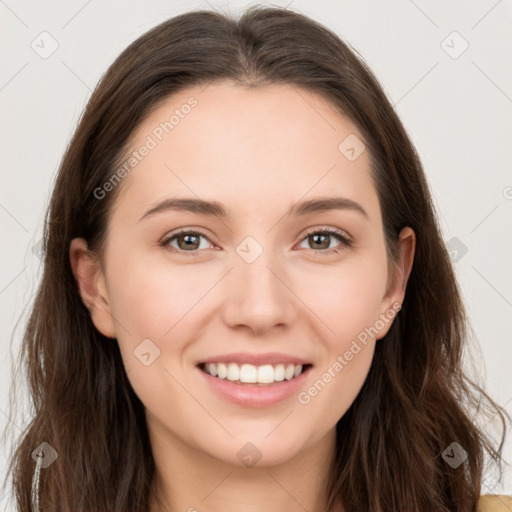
pixel 248 373
pixel 222 371
pixel 289 371
pixel 279 372
pixel 265 374
pixel 233 371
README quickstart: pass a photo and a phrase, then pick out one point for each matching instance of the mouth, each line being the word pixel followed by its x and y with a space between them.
pixel 249 374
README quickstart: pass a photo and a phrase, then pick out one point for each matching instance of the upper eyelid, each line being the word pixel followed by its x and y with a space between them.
pixel 336 231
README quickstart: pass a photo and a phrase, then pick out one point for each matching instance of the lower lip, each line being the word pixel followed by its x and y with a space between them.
pixel 252 395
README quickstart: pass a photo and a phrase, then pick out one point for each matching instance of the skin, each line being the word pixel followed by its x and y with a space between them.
pixel 258 152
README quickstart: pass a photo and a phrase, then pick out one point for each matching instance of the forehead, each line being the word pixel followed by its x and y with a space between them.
pixel 274 144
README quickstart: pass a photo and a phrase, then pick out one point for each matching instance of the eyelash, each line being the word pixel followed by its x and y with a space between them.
pixel 345 242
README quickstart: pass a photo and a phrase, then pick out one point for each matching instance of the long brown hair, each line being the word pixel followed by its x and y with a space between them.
pixel 416 400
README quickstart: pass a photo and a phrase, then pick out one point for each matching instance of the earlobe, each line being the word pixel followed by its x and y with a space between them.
pixel 91 285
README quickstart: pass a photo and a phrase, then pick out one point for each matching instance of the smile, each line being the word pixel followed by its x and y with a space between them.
pixel 254 380
pixel 266 374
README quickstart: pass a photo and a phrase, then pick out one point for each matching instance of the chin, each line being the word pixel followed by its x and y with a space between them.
pixel 256 451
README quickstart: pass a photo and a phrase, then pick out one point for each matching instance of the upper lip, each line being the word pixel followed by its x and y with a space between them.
pixel 272 358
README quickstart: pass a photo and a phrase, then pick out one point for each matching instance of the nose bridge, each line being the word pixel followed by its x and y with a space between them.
pixel 257 294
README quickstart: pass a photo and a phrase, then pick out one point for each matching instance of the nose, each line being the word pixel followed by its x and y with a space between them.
pixel 258 296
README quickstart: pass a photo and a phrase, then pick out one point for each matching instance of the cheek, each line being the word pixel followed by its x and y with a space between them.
pixel 340 376
pixel 348 303
pixel 338 380
pixel 338 386
pixel 152 303
pixel 151 298
pixel 149 305
pixel 346 299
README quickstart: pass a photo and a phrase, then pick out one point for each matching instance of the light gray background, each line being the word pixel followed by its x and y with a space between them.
pixel 456 108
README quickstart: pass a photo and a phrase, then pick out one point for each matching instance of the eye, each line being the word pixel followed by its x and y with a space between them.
pixel 319 236
pixel 188 242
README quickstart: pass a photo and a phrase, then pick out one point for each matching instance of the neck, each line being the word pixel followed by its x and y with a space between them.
pixel 190 480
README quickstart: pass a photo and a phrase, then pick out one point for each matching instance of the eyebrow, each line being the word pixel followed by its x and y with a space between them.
pixel 216 209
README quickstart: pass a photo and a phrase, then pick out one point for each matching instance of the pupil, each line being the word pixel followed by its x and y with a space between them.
pixel 187 238
pixel 316 236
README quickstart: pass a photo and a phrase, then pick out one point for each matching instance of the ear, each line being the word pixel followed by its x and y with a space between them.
pixel 91 286
pixel 397 283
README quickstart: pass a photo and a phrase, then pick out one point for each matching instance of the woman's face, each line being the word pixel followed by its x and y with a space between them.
pixel 249 288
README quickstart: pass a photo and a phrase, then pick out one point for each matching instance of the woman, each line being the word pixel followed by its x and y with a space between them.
pixel 191 347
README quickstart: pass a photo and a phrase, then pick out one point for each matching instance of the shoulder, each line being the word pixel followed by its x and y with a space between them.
pixel 495 503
